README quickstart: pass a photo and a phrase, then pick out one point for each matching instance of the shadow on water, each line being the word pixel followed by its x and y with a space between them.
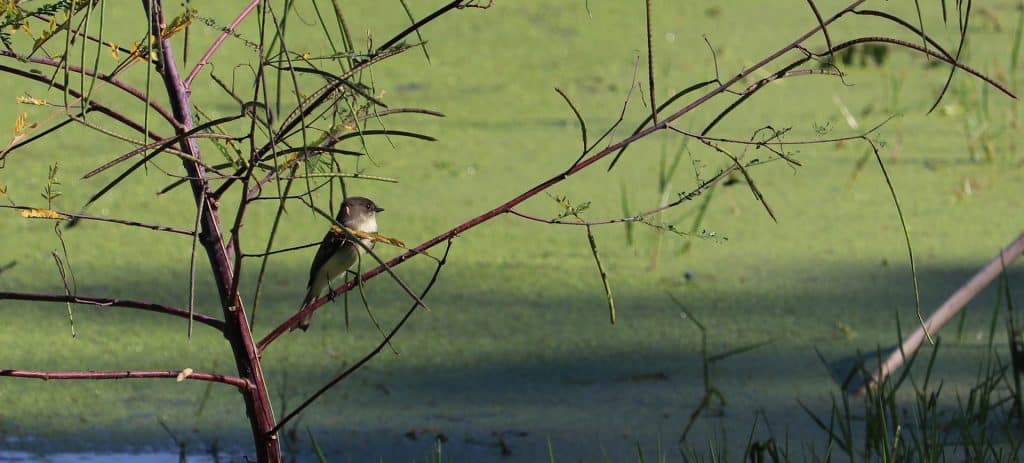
pixel 491 373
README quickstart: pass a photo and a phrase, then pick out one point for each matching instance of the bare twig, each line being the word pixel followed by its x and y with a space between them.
pixel 105 302
pixel 906 236
pixel 78 216
pixel 240 383
pixel 704 187
pixel 650 64
pixel 821 22
pixel 219 41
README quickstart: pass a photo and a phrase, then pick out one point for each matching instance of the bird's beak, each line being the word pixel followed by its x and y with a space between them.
pixel 378 209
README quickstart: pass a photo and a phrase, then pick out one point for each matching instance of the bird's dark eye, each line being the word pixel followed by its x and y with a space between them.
pixel 369 207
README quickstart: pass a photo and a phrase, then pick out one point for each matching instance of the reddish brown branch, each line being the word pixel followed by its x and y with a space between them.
pixel 112 302
pixel 129 374
pixel 940 56
pixel 236 330
pixel 218 42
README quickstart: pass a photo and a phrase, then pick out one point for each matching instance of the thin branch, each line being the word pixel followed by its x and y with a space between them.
pixel 130 374
pixel 908 26
pixel 280 251
pixel 601 270
pixel 78 216
pixel 821 22
pixel 959 50
pixel 650 67
pixel 738 141
pixel 416 26
pixel 105 302
pixel 799 72
pixel 704 187
pixel 906 236
pixel 941 57
pixel 664 105
pixel 579 118
pixel 161 146
pixel 138 94
pixel 218 42
pixel 746 175
pixel 192 262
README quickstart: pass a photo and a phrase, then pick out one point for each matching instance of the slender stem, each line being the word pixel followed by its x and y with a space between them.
pixel 639 217
pixel 130 374
pixel 112 302
pixel 138 94
pixel 650 64
pixel 218 42
pixel 132 223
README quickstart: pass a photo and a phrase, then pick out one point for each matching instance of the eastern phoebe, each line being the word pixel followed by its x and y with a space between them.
pixel 337 251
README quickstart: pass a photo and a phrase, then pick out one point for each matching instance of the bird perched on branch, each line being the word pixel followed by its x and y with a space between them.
pixel 338 252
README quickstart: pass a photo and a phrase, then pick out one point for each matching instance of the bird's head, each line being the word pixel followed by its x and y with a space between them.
pixel 359 213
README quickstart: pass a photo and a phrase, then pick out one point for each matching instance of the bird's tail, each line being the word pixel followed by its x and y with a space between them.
pixel 304 324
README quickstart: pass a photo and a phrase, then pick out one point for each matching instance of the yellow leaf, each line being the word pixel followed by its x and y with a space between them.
pixel 3 189
pixel 114 51
pixel 50 31
pixel 386 239
pixel 375 237
pixel 178 24
pixel 184 374
pixel 137 50
pixel 23 26
pixel 21 124
pixel 41 214
pixel 30 100
pixel 306 55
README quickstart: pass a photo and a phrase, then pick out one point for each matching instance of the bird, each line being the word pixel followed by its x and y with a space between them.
pixel 337 252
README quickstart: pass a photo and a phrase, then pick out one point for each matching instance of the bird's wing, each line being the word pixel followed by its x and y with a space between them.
pixel 330 245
